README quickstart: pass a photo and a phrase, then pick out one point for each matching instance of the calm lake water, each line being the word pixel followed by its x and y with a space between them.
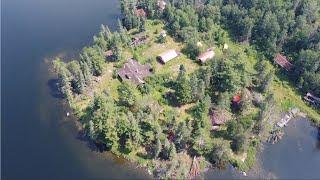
pixel 39 141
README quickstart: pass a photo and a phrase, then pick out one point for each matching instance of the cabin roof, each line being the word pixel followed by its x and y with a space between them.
pixel 139 39
pixel 140 12
pixel 206 55
pixel 236 99
pixel 108 53
pixel 283 62
pixel 161 4
pixel 168 55
pixel 219 116
pixel 134 71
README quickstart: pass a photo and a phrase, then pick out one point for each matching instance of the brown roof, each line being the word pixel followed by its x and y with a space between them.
pixel 283 62
pixel 141 13
pixel 219 116
pixel 206 55
pixel 134 71
pixel 108 53
pixel 139 39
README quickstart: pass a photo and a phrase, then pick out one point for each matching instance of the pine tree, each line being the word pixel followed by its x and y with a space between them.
pixel 127 96
pixel 77 81
pixel 64 77
pixel 183 88
pixel 157 148
pixel 172 151
pixel 182 135
pixel 142 25
pixel 86 72
pixel 134 131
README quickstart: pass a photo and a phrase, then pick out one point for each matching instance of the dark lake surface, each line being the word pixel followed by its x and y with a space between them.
pixel 40 142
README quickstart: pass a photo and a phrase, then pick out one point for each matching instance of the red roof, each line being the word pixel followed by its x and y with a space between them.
pixel 236 99
pixel 283 62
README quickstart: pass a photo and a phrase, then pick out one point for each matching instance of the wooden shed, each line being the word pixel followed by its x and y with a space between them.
pixel 283 62
pixel 209 54
pixel 167 56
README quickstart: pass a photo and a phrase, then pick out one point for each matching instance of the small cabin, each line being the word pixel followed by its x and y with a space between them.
pixel 283 62
pixel 108 54
pixel 219 117
pixel 161 4
pixel 209 54
pixel 141 13
pixel 312 99
pixel 236 99
pixel 139 39
pixel 167 56
pixel 163 33
pixel 134 71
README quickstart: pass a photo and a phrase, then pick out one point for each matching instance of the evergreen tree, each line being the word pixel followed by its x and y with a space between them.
pixel 183 89
pixel 172 151
pixel 157 148
pixel 182 137
pixel 127 96
pixel 64 77
pixel 78 81
pixel 86 72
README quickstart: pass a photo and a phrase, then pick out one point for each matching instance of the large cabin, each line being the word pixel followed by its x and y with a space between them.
pixel 134 71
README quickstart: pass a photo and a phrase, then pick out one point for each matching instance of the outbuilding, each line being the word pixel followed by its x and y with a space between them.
pixel 209 54
pixel 283 62
pixel 141 13
pixel 167 56
pixel 161 4
pixel 219 117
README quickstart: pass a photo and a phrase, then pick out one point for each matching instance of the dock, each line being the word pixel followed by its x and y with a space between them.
pixel 287 117
pixel 284 121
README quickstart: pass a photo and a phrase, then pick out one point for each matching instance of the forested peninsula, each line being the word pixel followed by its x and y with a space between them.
pixel 185 85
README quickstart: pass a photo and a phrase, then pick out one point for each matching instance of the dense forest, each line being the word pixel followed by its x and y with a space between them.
pixel 290 27
pixel 165 123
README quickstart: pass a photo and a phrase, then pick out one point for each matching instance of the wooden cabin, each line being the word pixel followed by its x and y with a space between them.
pixel 209 54
pixel 283 62
pixel 141 13
pixel 161 4
pixel 312 100
pixel 108 54
pixel 167 56
pixel 139 39
pixel 219 117
pixel 135 72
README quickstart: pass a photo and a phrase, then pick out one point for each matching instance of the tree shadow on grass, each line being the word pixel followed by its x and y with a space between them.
pixel 171 99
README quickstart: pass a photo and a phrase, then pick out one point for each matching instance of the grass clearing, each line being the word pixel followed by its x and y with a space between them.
pixel 287 97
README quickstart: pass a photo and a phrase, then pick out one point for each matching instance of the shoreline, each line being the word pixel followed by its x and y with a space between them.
pixel 155 148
